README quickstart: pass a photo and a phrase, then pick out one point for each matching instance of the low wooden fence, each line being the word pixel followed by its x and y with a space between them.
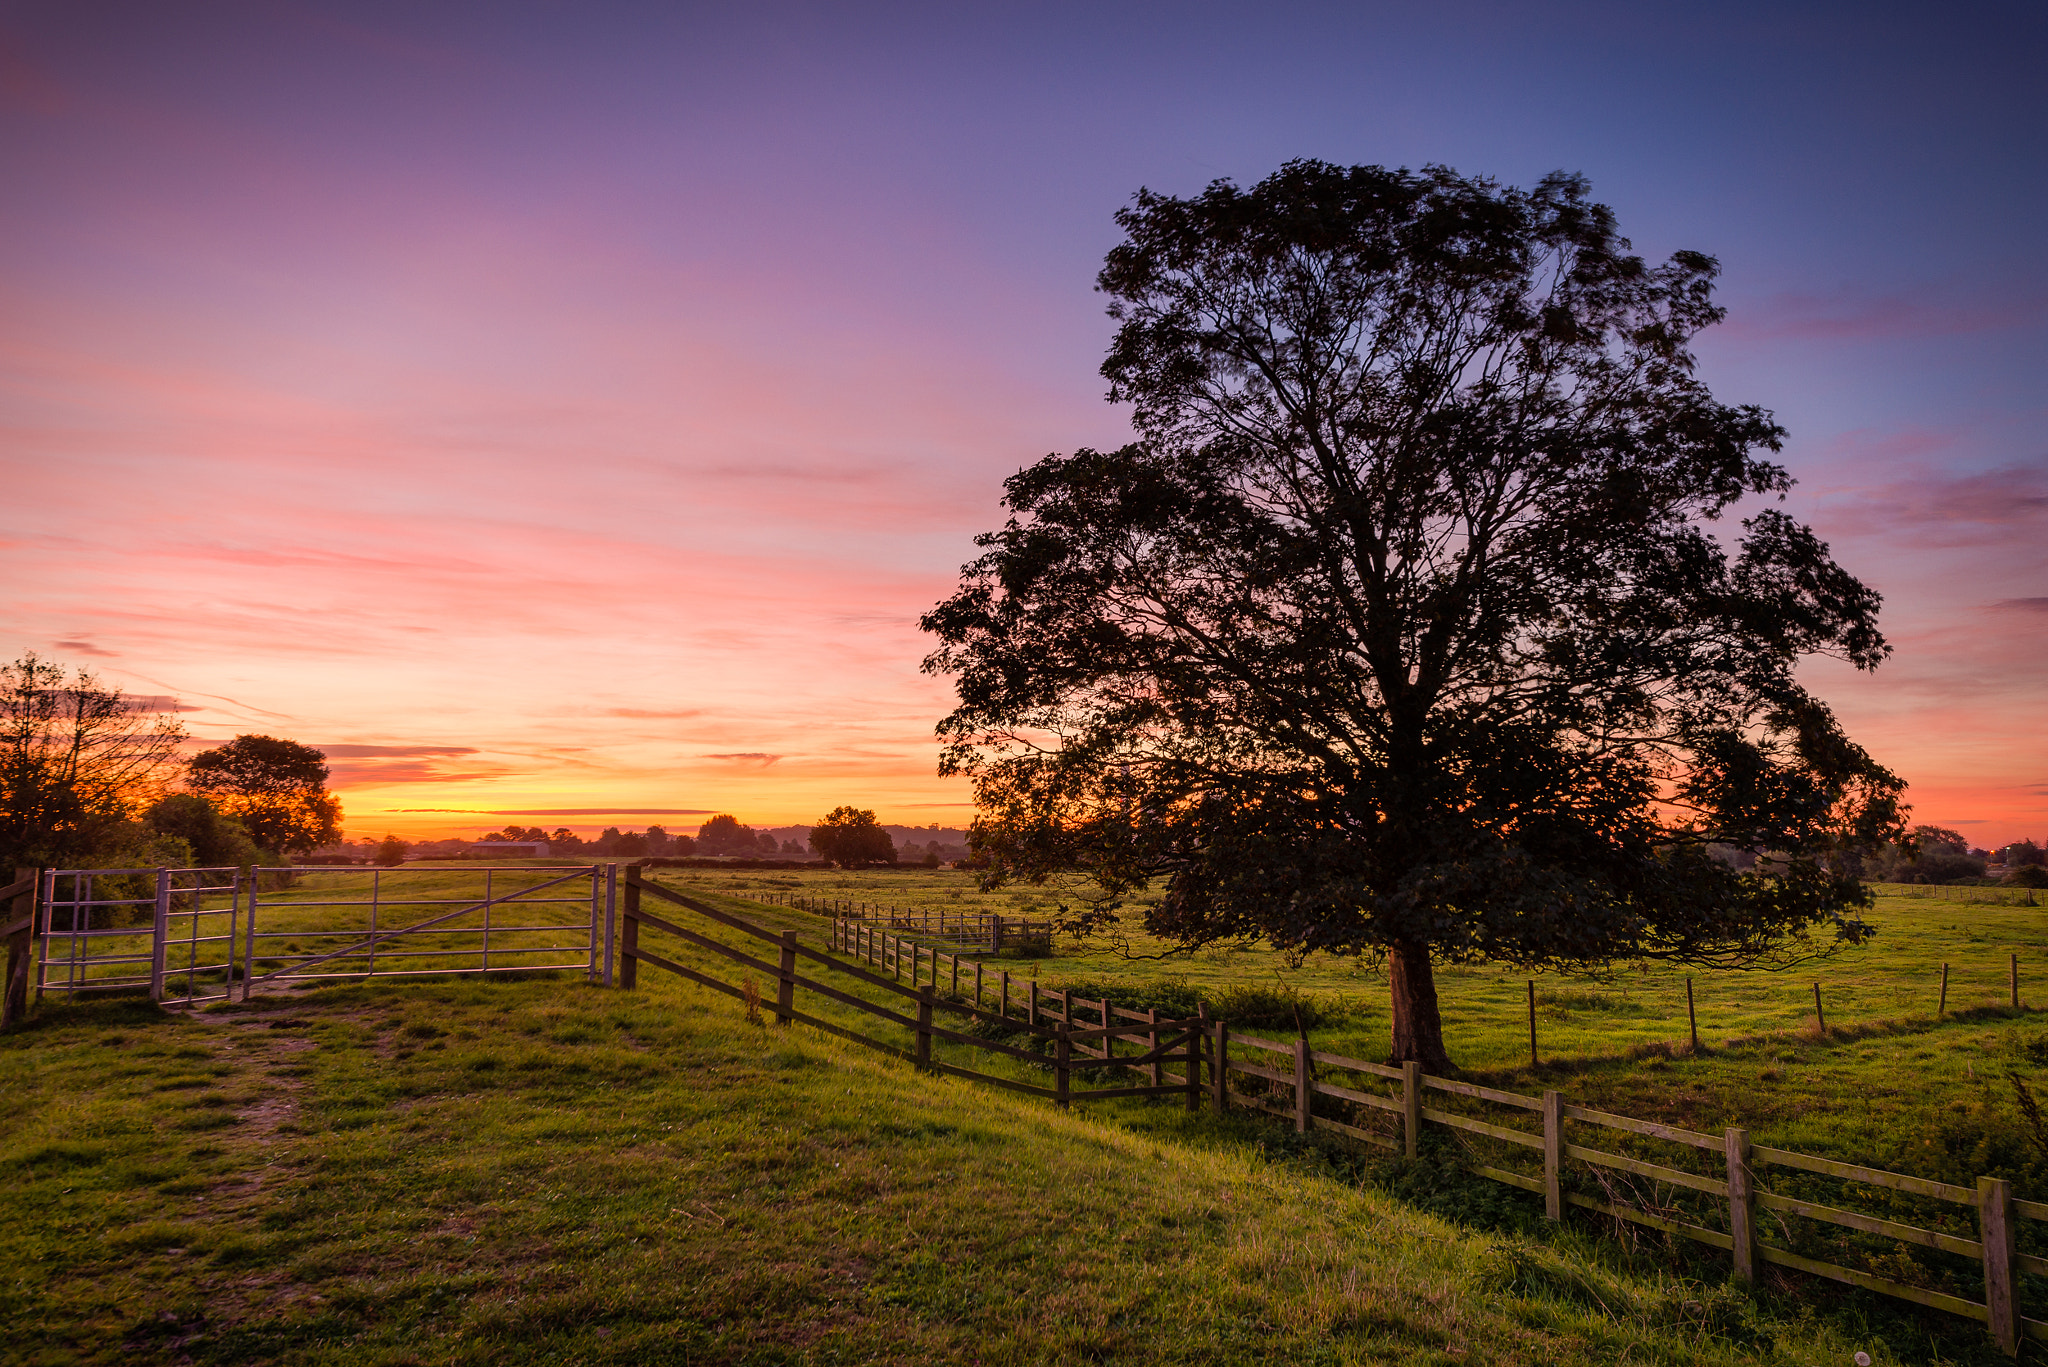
pixel 1737 1181
pixel 993 933
pixel 1072 1055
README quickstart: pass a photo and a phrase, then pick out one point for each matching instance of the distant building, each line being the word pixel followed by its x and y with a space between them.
pixel 512 849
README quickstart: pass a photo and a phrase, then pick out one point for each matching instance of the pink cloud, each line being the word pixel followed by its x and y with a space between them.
pixel 1852 315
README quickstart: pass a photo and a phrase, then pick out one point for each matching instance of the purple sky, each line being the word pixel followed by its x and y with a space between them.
pixel 573 406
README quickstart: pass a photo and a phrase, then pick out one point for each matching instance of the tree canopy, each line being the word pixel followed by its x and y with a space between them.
pixel 1408 627
pixel 78 761
pixel 850 837
pixel 276 788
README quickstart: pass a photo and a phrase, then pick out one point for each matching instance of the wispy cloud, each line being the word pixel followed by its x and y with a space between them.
pixel 757 758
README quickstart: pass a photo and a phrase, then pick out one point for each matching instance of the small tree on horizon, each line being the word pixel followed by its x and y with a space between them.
pixel 851 838
pixel 391 851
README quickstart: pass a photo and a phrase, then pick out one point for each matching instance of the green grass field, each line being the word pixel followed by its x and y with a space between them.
pixel 497 1171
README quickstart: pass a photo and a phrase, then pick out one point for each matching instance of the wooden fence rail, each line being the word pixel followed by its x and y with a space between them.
pixel 962 927
pixel 1071 1054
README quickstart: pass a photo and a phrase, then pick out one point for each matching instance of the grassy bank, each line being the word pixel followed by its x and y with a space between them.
pixel 546 1172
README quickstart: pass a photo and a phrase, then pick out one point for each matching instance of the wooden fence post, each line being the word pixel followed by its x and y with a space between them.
pixel 1031 1000
pixel 1411 1107
pixel 1301 1084
pixel 629 932
pixel 1941 1007
pixel 1194 1078
pixel 2015 971
pixel 21 947
pixel 161 926
pixel 1219 1068
pixel 1741 1202
pixel 1532 1022
pixel 1152 1046
pixel 995 937
pixel 785 990
pixel 1553 1156
pixel 977 982
pixel 1003 982
pixel 1994 1217
pixel 1063 1057
pixel 1819 1016
pixel 955 959
pixel 924 1026
pixel 1692 1019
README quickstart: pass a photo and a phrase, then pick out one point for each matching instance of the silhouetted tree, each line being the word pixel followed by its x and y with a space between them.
pixel 851 838
pixel 276 788
pixel 1405 630
pixel 723 834
pixel 78 761
pixel 391 852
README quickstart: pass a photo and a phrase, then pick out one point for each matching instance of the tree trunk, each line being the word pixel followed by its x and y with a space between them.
pixel 1418 1027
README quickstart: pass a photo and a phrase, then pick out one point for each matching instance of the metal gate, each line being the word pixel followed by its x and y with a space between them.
pixel 188 935
pixel 349 922
pixel 171 931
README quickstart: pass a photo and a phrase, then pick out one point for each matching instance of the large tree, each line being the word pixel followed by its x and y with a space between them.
pixel 78 761
pixel 1406 628
pixel 276 788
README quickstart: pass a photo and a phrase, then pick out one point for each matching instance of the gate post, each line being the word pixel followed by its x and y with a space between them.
pixel 611 922
pixel 785 991
pixel 1219 1068
pixel 629 944
pixel 160 927
pixel 20 947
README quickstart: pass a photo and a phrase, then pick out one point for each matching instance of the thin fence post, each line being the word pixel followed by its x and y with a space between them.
pixel 1941 1006
pixel 1031 1000
pixel 2014 969
pixel 1219 1068
pixel 785 991
pixel 1194 1076
pixel 995 935
pixel 955 958
pixel 1820 1017
pixel 160 928
pixel 1532 1023
pixel 1003 983
pixel 1553 1156
pixel 1994 1217
pixel 629 932
pixel 924 1026
pixel 1152 1046
pixel 977 982
pixel 1741 1202
pixel 1411 1107
pixel 1692 1019
pixel 1064 1058
pixel 1301 1084
pixel 611 923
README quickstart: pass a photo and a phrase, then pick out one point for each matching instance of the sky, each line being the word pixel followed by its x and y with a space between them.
pixel 565 411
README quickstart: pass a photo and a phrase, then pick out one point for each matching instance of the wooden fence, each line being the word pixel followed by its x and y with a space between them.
pixel 1730 1182
pixel 961 927
pixel 1072 1055
pixel 1736 1183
